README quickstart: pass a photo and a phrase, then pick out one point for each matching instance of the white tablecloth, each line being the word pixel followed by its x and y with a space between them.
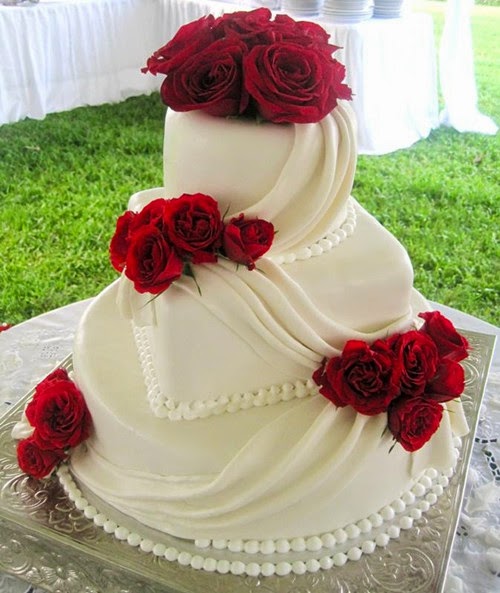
pixel 30 350
pixel 391 68
pixel 55 56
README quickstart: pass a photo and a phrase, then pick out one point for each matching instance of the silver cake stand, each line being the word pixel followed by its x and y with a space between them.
pixel 47 542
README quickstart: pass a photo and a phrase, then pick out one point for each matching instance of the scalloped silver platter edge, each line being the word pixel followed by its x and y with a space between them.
pixel 46 541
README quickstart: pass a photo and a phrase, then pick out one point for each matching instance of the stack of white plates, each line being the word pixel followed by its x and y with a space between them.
pixel 348 11
pixel 18 2
pixel 387 9
pixel 271 4
pixel 302 7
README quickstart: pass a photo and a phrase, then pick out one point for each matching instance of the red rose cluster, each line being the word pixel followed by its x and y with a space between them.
pixel 406 375
pixel 157 245
pixel 243 63
pixel 61 421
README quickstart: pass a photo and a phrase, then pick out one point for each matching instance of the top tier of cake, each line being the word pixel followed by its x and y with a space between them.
pixel 299 176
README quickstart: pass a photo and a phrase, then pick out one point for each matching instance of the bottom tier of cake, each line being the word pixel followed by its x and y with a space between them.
pixel 290 471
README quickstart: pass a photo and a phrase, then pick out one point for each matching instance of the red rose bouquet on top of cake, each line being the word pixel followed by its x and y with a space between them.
pixel 245 64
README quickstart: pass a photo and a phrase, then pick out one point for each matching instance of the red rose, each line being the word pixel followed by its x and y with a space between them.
pixel 321 378
pixel 58 374
pixel 152 263
pixel 414 420
pixel 419 359
pixel 120 242
pixel 194 226
pixel 291 83
pixel 151 214
pixel 37 462
pixel 59 415
pixel 303 33
pixel 252 27
pixel 291 75
pixel 210 80
pixel 53 377
pixel 448 383
pixel 364 377
pixel 188 40
pixel 449 342
pixel 244 241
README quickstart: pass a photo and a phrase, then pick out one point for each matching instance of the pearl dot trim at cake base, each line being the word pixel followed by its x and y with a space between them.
pixel 328 549
pixel 332 239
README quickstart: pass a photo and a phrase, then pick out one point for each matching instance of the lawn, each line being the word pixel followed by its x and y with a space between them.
pixel 64 180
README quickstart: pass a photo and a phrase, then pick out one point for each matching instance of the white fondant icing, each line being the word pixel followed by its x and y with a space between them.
pixel 303 187
pixel 167 407
pixel 22 429
pixel 329 241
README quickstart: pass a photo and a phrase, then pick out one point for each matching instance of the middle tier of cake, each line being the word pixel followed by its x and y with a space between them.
pixel 247 331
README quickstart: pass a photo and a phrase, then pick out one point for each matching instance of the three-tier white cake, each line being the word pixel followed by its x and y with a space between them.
pixel 263 377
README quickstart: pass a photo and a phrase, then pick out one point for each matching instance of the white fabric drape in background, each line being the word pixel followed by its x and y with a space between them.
pixel 456 65
pixel 55 56
pixel 391 68
pixel 61 54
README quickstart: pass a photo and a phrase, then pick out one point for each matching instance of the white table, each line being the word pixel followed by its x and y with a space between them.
pixel 55 56
pixel 30 350
pixel 391 68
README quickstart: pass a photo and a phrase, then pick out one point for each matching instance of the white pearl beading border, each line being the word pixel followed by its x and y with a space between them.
pixel 163 406
pixel 428 488
pixel 332 239
pixel 431 484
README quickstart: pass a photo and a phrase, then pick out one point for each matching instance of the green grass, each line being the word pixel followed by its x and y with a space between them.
pixel 64 180
pixel 440 197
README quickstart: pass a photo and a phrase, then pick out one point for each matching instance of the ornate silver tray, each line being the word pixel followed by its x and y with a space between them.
pixel 46 541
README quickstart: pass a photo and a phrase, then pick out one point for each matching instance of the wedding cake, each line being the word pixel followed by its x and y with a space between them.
pixel 262 379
